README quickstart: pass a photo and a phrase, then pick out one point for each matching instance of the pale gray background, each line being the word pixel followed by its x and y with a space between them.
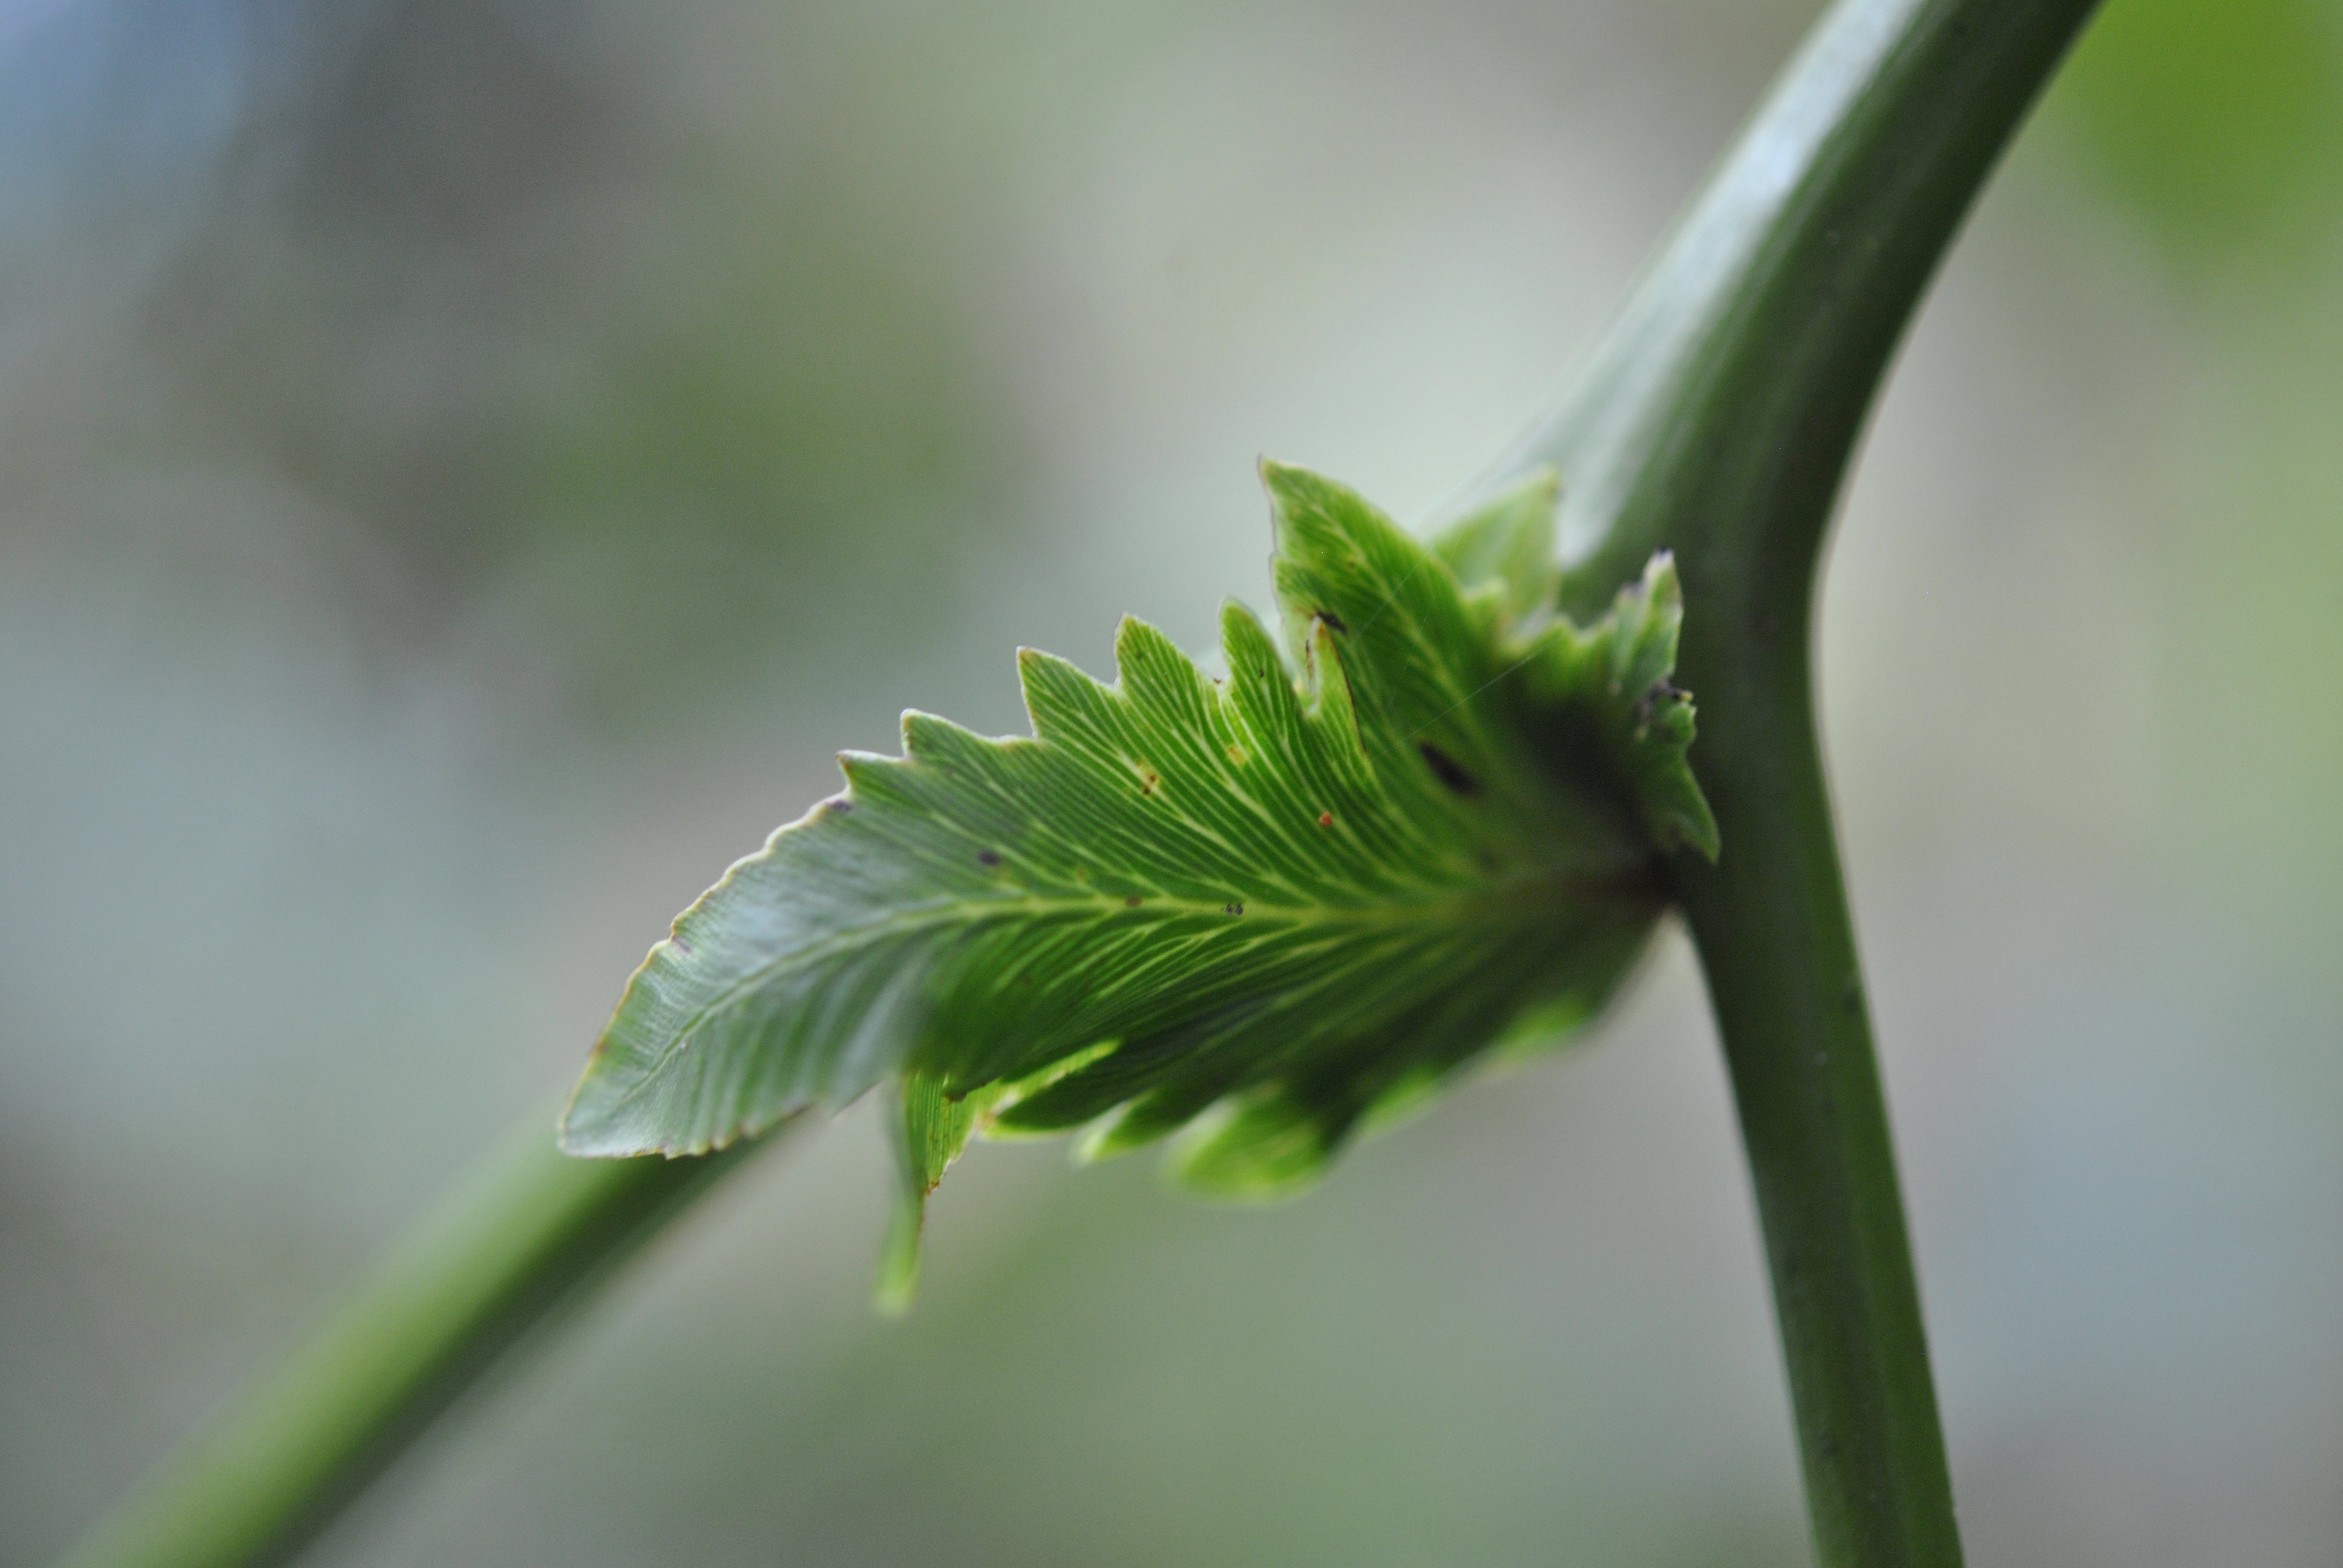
pixel 464 468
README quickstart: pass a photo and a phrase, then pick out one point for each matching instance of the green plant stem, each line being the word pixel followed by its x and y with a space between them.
pixel 1718 418
pixel 531 1234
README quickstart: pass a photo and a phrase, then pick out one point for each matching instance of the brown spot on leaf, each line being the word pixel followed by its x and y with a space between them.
pixel 1131 903
pixel 1325 819
pixel 1447 770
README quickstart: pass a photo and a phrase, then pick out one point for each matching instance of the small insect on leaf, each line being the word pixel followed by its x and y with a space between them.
pixel 1185 951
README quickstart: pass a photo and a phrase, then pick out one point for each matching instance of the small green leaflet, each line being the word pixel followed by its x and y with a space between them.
pixel 1261 911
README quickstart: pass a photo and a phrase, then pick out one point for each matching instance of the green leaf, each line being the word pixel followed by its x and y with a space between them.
pixel 1258 911
pixel 1508 544
pixel 930 1128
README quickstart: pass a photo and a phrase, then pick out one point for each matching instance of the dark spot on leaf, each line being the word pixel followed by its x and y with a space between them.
pixel 840 808
pixel 680 944
pixel 1131 903
pixel 988 858
pixel 1333 622
pixel 1153 779
pixel 1233 909
pixel 1447 770
pixel 1325 819
pixel 1660 691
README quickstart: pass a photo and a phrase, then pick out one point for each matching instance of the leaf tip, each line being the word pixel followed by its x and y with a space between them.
pixel 897 1284
pixel 1293 488
pixel 590 1128
pixel 1693 827
pixel 1661 584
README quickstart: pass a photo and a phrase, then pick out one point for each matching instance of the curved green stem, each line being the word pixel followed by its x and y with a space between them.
pixel 530 1235
pixel 1718 420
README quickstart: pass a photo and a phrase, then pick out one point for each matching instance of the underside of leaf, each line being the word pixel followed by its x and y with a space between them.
pixel 1256 911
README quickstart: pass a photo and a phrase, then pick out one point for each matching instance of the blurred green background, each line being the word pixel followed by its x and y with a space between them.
pixel 465 467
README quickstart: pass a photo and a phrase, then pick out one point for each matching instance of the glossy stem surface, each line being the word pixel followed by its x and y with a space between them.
pixel 502 1256
pixel 1718 420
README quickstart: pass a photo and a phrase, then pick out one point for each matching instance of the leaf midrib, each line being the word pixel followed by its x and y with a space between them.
pixel 1522 889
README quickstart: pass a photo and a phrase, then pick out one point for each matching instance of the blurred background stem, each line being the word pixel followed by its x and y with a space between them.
pixel 528 1236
